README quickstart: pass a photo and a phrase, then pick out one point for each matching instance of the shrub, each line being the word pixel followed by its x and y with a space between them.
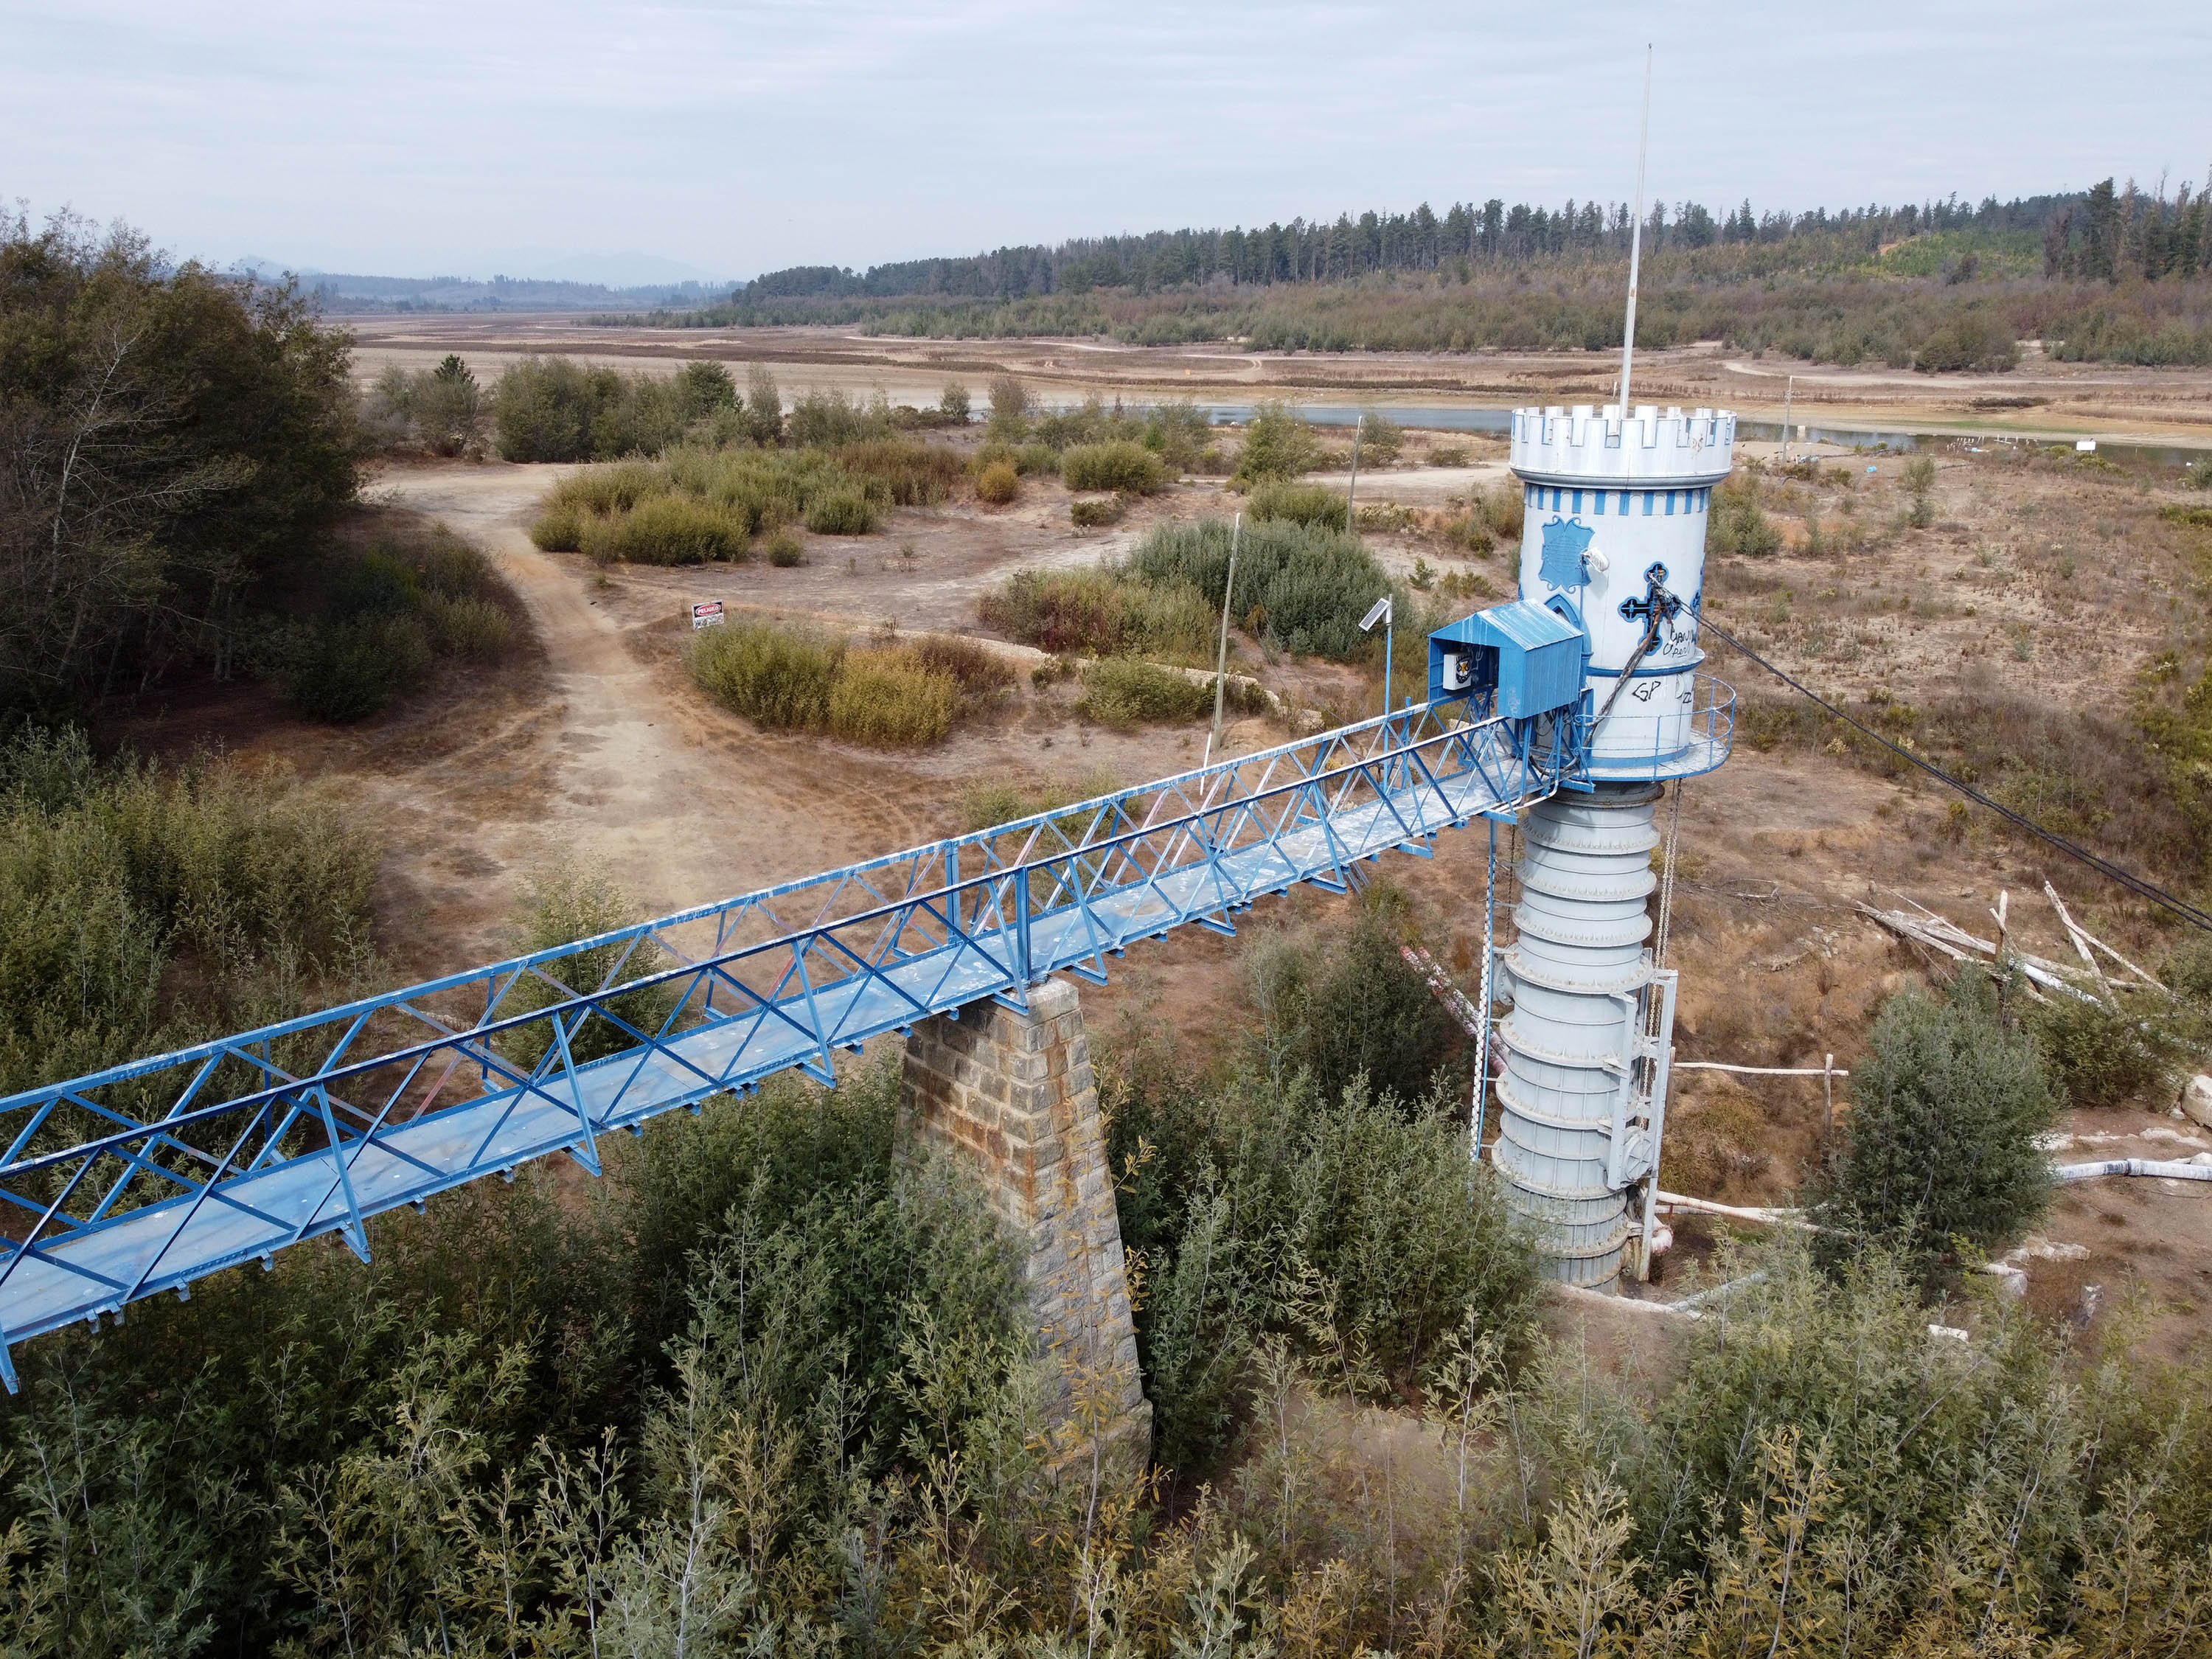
pixel 671 530
pixel 1503 507
pixel 998 484
pixel 2189 969
pixel 1469 533
pixel 2097 1055
pixel 559 905
pixel 1102 612
pixel 952 402
pixel 1298 503
pixel 1344 1004
pixel 777 677
pixel 1352 1228
pixel 912 474
pixel 442 409
pixel 841 513
pixel 544 408
pixel 558 530
pixel 1448 454
pixel 348 670
pixel 1010 409
pixel 1738 524
pixel 1380 438
pixel 1125 693
pixel 1128 467
pixel 830 420
pixel 1945 1104
pixel 1096 515
pixel 1036 461
pixel 784 549
pixel 1971 338
pixel 1302 589
pixel 1277 444
pixel 892 699
pixel 468 627
pixel 981 674
pixel 614 488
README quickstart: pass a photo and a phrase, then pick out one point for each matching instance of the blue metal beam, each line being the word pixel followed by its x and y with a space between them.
pixel 147 1175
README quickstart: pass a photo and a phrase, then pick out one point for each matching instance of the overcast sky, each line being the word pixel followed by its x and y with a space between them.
pixel 730 137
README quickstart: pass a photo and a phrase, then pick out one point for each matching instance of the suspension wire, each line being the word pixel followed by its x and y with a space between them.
pixel 2125 878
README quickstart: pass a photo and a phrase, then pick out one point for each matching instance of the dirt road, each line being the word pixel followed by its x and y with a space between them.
pixel 630 772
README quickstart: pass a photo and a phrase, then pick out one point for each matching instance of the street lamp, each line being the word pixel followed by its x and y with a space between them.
pixel 1380 612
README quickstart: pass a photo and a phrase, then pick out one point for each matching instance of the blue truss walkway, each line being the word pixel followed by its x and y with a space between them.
pixel 148 1176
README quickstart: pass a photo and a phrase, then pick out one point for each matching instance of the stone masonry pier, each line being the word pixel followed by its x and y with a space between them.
pixel 1013 1097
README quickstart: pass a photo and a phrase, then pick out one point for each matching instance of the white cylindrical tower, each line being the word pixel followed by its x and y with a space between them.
pixel 1615 540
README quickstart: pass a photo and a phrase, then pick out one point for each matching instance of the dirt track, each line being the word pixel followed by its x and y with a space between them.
pixel 642 778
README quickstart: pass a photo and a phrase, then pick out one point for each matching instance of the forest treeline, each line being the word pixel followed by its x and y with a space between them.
pixel 2111 274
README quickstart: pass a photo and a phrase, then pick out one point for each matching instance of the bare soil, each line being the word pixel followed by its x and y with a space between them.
pixel 2063 400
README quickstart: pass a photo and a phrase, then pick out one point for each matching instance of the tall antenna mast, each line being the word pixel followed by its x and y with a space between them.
pixel 1635 241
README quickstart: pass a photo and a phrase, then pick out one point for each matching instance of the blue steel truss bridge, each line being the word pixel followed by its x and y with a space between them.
pixel 146 1176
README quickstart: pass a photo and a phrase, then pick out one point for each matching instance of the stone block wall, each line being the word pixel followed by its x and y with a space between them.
pixel 1014 1098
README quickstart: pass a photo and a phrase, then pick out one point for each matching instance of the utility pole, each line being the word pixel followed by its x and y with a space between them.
pixel 1351 523
pixel 1221 667
pixel 1636 244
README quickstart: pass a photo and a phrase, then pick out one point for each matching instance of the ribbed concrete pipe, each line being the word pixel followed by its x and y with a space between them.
pixel 1580 929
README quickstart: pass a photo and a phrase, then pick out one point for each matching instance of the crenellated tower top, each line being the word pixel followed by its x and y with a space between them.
pixel 1586 444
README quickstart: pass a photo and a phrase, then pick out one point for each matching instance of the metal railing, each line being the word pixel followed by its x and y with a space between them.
pixel 145 1176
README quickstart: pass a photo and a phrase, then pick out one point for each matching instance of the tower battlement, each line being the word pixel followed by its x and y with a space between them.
pixel 1586 443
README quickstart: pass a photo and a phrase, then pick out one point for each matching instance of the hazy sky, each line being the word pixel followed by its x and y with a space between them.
pixel 478 136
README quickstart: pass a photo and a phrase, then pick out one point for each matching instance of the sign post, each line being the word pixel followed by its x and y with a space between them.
pixel 709 615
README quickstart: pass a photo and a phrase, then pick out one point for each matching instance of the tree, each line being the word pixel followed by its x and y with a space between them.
pixel 1010 409
pixel 953 404
pixel 1277 444
pixel 168 437
pixel 763 404
pixel 1945 1104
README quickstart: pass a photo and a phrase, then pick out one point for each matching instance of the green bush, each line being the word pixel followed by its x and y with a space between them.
pixel 560 905
pixel 784 549
pixel 615 487
pixel 478 628
pixel 777 677
pixel 2098 1056
pixel 1739 526
pixel 892 699
pixel 1125 693
pixel 1353 1229
pixel 1344 1003
pixel 1126 467
pixel 1102 612
pixel 1469 533
pixel 1295 503
pixel 544 409
pixel 830 420
pixel 912 474
pixel 671 530
pixel 953 404
pixel 841 513
pixel 1303 589
pixel 558 530
pixel 348 670
pixel 981 675
pixel 1277 444
pixel 144 907
pixel 1503 507
pixel 1945 1104
pixel 1038 461
pixel 998 484
pixel 1096 515
pixel 1009 420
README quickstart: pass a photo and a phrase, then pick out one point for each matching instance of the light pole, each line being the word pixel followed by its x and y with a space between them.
pixel 1221 668
pixel 1380 612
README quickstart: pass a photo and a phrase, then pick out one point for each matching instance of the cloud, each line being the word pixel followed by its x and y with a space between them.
pixel 735 137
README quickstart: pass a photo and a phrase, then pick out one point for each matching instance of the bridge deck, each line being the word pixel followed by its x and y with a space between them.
pixel 148 1175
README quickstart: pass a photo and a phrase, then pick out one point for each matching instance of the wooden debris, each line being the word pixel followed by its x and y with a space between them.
pixel 1937 933
pixel 2081 948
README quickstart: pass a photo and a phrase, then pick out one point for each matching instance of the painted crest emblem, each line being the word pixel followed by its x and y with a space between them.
pixel 1564 543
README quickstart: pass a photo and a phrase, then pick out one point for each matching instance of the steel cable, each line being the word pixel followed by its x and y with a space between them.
pixel 2127 878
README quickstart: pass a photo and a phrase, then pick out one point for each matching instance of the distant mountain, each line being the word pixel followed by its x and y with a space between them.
pixel 622 281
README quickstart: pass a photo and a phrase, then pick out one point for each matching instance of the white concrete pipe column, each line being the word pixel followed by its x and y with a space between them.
pixel 1576 964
